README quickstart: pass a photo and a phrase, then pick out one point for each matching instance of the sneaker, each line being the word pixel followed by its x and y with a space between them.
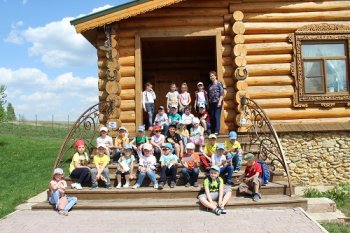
pixel 172 184
pixel 259 195
pixel 223 210
pixel 195 184
pixel 118 186
pixel 136 186
pixel 78 186
pixel 217 211
pixel 126 185
pixel 236 171
pixel 63 212
pixel 103 179
pixel 187 185
pixel 94 186
pixel 108 186
pixel 155 186
pixel 74 185
pixel 255 197
pixel 161 185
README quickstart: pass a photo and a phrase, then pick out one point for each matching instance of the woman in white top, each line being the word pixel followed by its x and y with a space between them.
pixel 148 97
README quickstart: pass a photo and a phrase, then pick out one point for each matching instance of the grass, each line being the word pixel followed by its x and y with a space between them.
pixel 341 195
pixel 27 156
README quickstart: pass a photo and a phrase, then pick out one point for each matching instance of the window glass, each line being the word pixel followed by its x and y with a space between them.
pixel 336 76
pixel 318 50
pixel 313 76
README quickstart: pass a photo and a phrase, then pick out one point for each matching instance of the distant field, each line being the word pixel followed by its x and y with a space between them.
pixel 27 154
pixel 55 124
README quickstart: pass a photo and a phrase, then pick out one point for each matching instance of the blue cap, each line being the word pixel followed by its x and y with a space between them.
pixel 167 145
pixel 216 168
pixel 128 147
pixel 232 135
pixel 220 146
pixel 141 128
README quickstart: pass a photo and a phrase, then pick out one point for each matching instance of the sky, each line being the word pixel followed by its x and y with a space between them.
pixel 47 68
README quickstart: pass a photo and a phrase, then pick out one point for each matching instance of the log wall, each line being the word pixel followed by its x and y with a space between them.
pixel 267 25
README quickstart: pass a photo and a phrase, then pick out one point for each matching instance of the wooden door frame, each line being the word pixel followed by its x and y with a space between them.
pixel 158 34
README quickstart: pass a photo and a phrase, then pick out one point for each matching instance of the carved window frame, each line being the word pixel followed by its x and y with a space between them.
pixel 317 33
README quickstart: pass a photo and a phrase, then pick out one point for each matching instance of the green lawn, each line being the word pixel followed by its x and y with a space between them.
pixel 27 154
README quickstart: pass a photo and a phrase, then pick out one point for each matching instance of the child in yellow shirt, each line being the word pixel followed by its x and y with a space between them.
pixel 100 171
pixel 234 150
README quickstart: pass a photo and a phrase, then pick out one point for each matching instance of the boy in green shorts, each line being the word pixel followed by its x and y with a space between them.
pixel 215 196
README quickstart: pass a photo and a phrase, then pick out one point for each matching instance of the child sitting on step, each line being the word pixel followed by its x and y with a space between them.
pixel 78 168
pixel 100 171
pixel 225 165
pixel 197 134
pixel 214 196
pixel 58 198
pixel 125 166
pixel 105 139
pixel 190 161
pixel 209 150
pixel 147 166
pixel 251 178
pixel 140 138
pixel 183 132
pixel 233 150
pixel 168 166
pixel 120 141
pixel 157 140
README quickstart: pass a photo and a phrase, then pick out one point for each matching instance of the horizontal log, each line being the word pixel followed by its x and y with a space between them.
pixel 127 51
pixel 280 27
pixel 226 50
pixel 239 50
pixel 113 87
pixel 226 61
pixel 171 22
pixel 278 80
pixel 127 61
pixel 267 92
pixel 127 116
pixel 309 113
pixel 131 127
pixel 173 31
pixel 312 120
pixel 102 84
pixel 298 17
pixel 227 71
pixel 184 12
pixel 126 42
pixel 238 28
pixel 291 6
pixel 227 18
pixel 127 82
pixel 269 48
pixel 239 39
pixel 266 38
pixel 238 15
pixel 229 93
pixel 127 105
pixel 127 71
pixel 241 85
pixel 269 69
pixel 266 59
pixel 229 104
pixel 127 94
pixel 102 73
pixel 275 103
pixel 115 113
pixel 115 98
pixel 240 61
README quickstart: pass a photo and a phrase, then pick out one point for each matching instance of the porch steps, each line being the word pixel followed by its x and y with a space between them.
pixel 178 203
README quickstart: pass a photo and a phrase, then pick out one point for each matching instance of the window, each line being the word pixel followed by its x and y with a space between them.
pixel 321 65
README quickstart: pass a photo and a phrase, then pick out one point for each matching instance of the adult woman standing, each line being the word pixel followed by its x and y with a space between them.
pixel 215 96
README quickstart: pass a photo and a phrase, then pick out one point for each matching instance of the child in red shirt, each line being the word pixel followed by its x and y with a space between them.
pixel 251 178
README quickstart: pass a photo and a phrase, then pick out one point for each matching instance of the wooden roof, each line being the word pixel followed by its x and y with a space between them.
pixel 118 13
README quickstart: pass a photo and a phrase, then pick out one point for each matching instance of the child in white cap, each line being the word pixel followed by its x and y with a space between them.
pixel 105 139
pixel 58 197
pixel 197 134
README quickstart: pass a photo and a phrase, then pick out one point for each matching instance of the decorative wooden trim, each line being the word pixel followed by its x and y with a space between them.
pixel 316 32
pixel 123 14
pixel 138 81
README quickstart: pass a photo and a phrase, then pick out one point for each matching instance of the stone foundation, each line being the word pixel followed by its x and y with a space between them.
pixel 317 158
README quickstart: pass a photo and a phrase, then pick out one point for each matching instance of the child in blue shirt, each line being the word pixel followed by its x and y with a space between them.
pixel 168 165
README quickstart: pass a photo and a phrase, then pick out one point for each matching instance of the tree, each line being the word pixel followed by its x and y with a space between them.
pixel 2 102
pixel 10 113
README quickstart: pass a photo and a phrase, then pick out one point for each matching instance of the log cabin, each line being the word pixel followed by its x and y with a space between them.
pixel 291 57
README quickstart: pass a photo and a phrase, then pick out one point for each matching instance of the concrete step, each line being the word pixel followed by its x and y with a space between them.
pixel 320 205
pixel 274 201
pixel 166 193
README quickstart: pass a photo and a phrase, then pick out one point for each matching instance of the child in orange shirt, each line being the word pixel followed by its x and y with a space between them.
pixel 190 161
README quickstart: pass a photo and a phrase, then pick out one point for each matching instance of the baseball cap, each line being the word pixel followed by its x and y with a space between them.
pixel 157 127
pixel 104 129
pixel 181 122
pixel 101 145
pixel 122 128
pixel 128 147
pixel 58 171
pixel 147 146
pixel 201 105
pixel 173 106
pixel 220 146
pixel 232 135
pixel 199 83
pixel 161 107
pixel 195 120
pixel 190 146
pixel 79 142
pixel 141 129
pixel 216 168
pixel 167 145
pixel 249 156
pixel 212 136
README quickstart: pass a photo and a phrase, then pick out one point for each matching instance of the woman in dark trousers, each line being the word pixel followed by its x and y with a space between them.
pixel 215 96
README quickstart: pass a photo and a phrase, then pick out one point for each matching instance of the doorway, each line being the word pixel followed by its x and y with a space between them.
pixel 176 60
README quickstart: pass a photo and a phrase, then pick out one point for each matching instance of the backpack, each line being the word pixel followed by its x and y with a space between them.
pixel 265 174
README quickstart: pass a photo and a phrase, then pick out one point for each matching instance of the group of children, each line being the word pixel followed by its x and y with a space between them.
pixel 164 153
